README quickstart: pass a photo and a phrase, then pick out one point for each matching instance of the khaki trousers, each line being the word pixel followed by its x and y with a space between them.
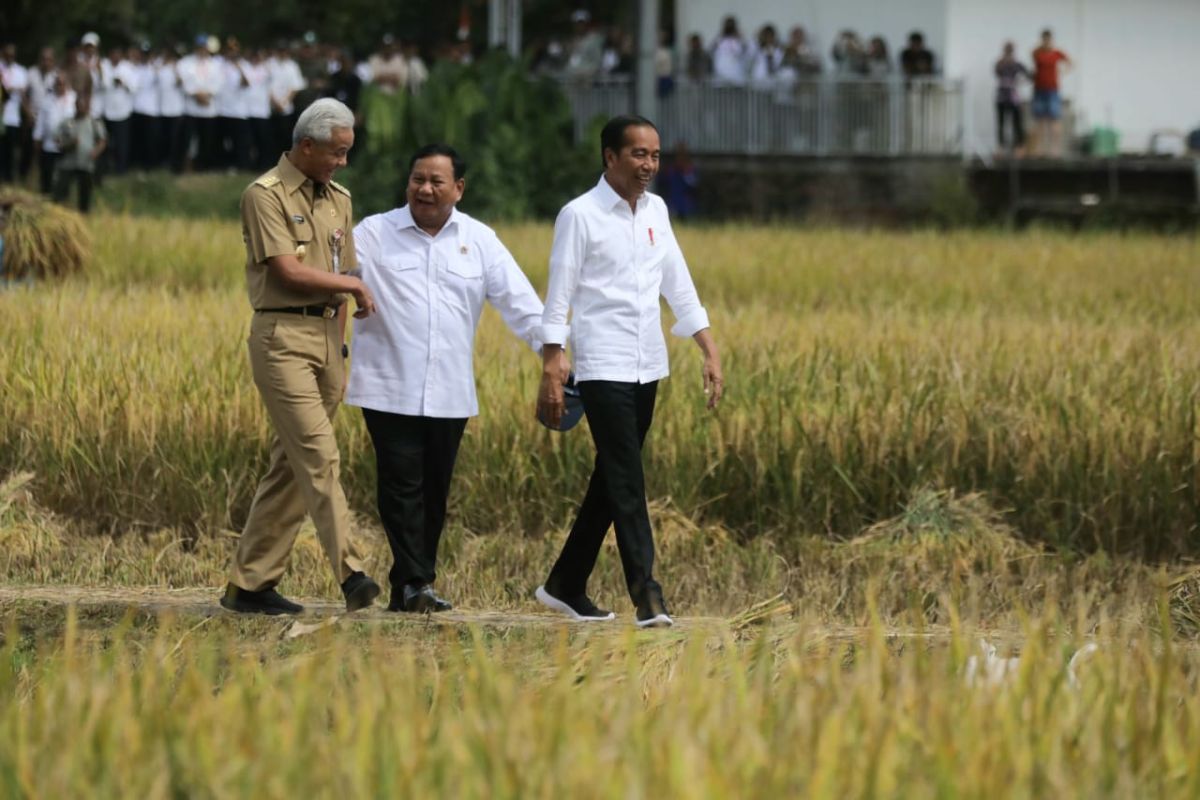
pixel 297 366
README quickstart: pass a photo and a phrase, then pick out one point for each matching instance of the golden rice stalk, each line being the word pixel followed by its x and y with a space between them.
pixel 41 239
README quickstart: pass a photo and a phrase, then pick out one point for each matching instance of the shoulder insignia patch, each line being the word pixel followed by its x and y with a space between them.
pixel 267 181
pixel 340 188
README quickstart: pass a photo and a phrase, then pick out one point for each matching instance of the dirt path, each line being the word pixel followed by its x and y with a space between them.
pixel 321 613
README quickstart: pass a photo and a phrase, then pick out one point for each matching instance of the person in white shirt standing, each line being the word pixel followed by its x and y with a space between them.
pixel 258 107
pixel 172 147
pixel 285 80
pixel 120 83
pixel 613 254
pixel 430 267
pixel 146 136
pixel 202 80
pixel 236 142
pixel 56 108
pixel 15 79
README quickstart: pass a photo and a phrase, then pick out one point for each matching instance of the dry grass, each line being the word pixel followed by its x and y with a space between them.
pixel 42 240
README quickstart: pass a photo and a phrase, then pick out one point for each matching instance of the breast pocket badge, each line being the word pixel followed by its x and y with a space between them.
pixel 336 239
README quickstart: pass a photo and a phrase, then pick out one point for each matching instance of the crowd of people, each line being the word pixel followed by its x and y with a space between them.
pixel 216 106
pixel 593 52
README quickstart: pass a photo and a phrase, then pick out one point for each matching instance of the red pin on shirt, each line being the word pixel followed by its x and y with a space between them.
pixel 651 236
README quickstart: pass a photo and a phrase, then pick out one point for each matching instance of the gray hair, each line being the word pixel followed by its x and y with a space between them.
pixel 318 120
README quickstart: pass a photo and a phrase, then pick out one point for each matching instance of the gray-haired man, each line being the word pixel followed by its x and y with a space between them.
pixel 296 223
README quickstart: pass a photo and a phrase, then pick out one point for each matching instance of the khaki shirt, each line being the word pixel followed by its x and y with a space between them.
pixel 281 216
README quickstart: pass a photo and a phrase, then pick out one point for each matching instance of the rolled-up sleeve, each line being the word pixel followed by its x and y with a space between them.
pixel 680 294
pixel 510 292
pixel 565 263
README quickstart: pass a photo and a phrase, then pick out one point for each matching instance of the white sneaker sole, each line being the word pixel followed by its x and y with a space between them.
pixel 550 601
pixel 661 621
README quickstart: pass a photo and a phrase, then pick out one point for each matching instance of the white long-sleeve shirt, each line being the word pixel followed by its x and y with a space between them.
pixel 120 85
pixel 201 74
pixel 608 266
pixel 54 110
pixel 416 355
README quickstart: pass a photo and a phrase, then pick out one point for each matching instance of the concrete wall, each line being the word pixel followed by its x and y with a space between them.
pixel 822 19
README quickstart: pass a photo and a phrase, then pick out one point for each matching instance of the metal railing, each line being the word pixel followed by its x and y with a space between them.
pixel 835 116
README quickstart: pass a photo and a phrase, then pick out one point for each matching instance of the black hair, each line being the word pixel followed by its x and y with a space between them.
pixel 439 149
pixel 612 136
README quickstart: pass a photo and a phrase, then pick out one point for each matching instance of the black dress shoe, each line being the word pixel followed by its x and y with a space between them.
pixel 418 600
pixel 360 591
pixel 652 611
pixel 264 601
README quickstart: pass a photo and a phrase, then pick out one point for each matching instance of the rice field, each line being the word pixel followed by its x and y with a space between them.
pixel 929 438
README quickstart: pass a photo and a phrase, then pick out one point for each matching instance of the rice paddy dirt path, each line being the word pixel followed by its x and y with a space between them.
pixel 321 613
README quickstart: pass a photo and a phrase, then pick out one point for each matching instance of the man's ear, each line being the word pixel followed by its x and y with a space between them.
pixel 461 185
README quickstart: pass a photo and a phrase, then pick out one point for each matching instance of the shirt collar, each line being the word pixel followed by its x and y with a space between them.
pixel 404 219
pixel 291 177
pixel 607 196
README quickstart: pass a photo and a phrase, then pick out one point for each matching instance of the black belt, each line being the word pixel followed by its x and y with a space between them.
pixel 327 312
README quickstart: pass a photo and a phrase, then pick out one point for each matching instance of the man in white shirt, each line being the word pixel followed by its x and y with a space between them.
pixel 145 134
pixel 171 105
pixel 285 81
pixel 56 108
pixel 120 83
pixel 430 267
pixel 613 254
pixel 15 79
pixel 202 77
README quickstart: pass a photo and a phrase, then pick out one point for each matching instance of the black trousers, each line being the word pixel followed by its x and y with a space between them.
pixel 145 141
pixel 46 162
pixel 173 143
pixel 619 415
pixel 9 141
pixel 83 181
pixel 120 133
pixel 205 131
pixel 1013 111
pixel 414 459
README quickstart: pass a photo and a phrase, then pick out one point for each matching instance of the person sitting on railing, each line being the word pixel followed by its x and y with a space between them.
pixel 768 58
pixel 800 60
pixel 730 54
pixel 698 64
pixel 916 60
pixel 849 55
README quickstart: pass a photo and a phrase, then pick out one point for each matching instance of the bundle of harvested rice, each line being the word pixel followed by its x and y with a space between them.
pixel 41 239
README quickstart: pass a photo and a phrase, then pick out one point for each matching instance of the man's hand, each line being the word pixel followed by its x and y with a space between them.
pixel 555 370
pixel 714 378
pixel 363 299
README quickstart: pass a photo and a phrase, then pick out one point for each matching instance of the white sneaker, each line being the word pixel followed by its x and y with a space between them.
pixel 579 609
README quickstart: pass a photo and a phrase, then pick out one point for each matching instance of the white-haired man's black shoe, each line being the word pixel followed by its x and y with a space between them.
pixel 360 591
pixel 579 608
pixel 264 601
pixel 652 611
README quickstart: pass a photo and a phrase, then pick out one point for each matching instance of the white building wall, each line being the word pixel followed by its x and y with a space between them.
pixel 1136 62
pixel 1135 69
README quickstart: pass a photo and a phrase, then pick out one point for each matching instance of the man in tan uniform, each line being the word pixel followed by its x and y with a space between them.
pixel 297 226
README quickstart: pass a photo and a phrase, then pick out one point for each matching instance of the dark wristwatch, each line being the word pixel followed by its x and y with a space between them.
pixel 345 350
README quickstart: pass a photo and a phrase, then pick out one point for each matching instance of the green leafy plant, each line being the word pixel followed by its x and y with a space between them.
pixel 515 133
